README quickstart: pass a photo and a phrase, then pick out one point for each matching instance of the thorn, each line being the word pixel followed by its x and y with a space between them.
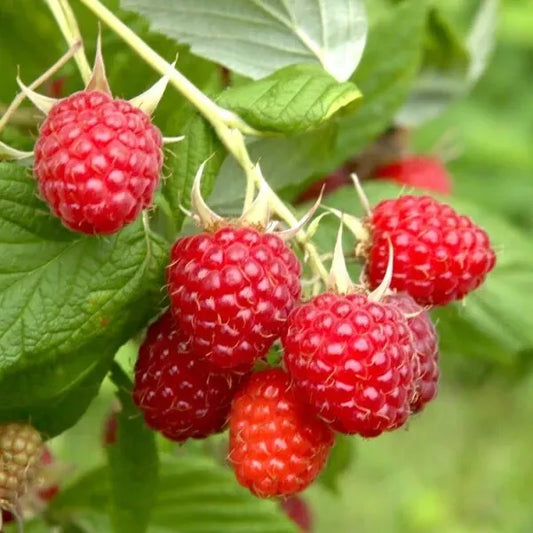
pixel 291 232
pixel 205 214
pixel 170 140
pixel 98 80
pixel 44 103
pixel 10 154
pixel 149 99
pixel 339 278
pixel 363 198
pixel 383 288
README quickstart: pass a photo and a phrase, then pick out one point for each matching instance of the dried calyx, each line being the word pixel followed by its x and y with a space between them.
pixel 339 277
pixel 257 214
pixel 146 101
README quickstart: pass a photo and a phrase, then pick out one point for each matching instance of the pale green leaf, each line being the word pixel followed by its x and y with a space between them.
pixel 292 100
pixel 258 37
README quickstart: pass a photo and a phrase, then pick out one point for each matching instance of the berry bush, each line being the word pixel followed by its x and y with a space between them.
pixel 239 258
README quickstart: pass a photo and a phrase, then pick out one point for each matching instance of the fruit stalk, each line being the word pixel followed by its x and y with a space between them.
pixel 66 21
pixel 228 126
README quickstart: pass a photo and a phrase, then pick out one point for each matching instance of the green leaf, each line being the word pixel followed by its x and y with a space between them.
pixel 498 313
pixel 386 73
pixel 257 38
pixel 200 144
pixel 133 464
pixel 339 461
pixel 292 100
pixel 480 40
pixel 68 303
pixel 196 495
pixel 285 162
pixel 443 76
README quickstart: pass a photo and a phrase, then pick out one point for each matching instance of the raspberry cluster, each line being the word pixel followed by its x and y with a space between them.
pixel 354 362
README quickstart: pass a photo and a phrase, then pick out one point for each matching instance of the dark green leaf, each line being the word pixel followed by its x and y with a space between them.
pixel 386 73
pixel 340 460
pixel 196 495
pixel 68 302
pixel 292 100
pixel 200 144
pixel 133 463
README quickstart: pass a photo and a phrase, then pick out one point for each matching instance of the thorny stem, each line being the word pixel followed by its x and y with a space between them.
pixel 41 79
pixel 69 28
pixel 228 126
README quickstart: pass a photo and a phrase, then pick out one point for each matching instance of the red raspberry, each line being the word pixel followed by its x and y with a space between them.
pixel 418 171
pixel 109 435
pixel 439 255
pixel 231 292
pixel 97 161
pixel 179 394
pixel 299 512
pixel 351 359
pixel 277 446
pixel 7 517
pixel 425 367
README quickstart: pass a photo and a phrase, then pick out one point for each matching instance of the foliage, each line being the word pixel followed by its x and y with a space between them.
pixel 312 91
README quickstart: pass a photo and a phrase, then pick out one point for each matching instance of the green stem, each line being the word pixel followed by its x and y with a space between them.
pixel 228 126
pixel 69 27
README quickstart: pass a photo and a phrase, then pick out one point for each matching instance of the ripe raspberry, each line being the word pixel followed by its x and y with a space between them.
pixel 299 512
pixel 7 517
pixel 439 255
pixel 351 359
pixel 231 292
pixel 425 364
pixel 418 171
pixel 21 450
pixel 277 446
pixel 97 161
pixel 180 394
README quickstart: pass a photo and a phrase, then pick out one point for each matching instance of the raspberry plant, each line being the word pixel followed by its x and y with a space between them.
pixel 239 314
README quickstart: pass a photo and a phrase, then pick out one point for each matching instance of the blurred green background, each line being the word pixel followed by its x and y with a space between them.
pixel 465 465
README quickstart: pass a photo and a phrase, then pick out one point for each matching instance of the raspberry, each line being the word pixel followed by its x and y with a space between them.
pixel 109 435
pixel 180 394
pixel 351 360
pixel 48 491
pixel 21 450
pixel 7 517
pixel 418 171
pixel 299 512
pixel 97 161
pixel 425 368
pixel 231 291
pixel 277 446
pixel 439 255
